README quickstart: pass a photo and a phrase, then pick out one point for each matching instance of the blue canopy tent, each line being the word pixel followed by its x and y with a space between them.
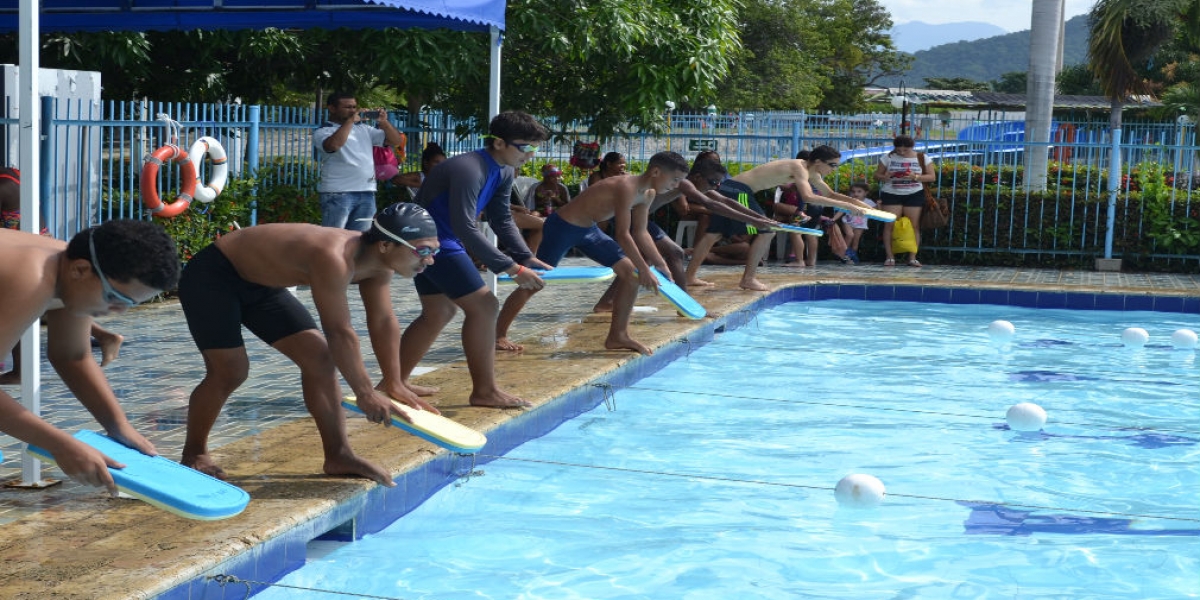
pixel 145 15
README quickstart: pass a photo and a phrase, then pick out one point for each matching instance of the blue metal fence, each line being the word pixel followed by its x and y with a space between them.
pixel 93 155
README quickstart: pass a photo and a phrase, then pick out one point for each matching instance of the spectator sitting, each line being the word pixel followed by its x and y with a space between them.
pixel 611 165
pixel 431 156
pixel 551 194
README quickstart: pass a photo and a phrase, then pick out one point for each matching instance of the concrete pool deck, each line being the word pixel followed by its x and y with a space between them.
pixel 68 541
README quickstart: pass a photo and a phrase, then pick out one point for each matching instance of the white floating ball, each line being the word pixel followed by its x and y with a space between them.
pixel 1026 416
pixel 1184 339
pixel 1135 337
pixel 1001 331
pixel 859 491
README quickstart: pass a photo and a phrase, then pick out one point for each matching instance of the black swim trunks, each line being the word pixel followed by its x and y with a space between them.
pixel 217 302
pixel 744 195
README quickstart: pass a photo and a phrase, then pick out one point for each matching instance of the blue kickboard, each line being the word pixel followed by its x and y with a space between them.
pixel 165 483
pixel 799 229
pixel 685 304
pixel 568 275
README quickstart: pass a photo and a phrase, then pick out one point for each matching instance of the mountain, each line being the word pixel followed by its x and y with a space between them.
pixel 916 35
pixel 989 58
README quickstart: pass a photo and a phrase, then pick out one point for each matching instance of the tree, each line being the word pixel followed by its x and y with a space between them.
pixel 859 51
pixel 777 67
pixel 610 63
pixel 809 55
pixel 1124 34
pixel 1180 66
pixel 124 57
pixel 1077 80
pixel 1013 82
pixel 613 64
pixel 956 83
pixel 1044 62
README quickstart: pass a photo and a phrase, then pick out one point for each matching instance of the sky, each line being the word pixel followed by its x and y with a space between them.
pixel 1010 15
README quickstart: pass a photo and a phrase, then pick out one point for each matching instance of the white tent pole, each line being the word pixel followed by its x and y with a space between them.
pixel 30 110
pixel 497 40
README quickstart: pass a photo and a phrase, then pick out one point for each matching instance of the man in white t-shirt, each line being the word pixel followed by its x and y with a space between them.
pixel 345 148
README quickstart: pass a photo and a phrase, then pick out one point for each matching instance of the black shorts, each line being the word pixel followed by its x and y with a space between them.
pixel 743 195
pixel 913 200
pixel 217 302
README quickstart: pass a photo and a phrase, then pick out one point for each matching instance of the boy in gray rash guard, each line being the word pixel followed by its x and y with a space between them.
pixel 455 193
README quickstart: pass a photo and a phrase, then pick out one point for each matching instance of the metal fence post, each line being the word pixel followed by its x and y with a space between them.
pixel 1114 186
pixel 252 156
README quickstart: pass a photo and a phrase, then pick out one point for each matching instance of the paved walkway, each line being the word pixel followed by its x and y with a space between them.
pixel 159 366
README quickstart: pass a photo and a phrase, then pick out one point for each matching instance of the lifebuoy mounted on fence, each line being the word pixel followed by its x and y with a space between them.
pixel 220 167
pixel 149 184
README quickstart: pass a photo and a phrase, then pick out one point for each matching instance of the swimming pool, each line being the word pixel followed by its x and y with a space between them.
pixel 713 477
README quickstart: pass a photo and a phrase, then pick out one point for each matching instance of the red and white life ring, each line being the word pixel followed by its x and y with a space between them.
pixel 220 167
pixel 149 183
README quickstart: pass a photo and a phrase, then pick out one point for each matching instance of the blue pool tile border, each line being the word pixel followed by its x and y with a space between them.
pixel 377 508
pixel 1074 300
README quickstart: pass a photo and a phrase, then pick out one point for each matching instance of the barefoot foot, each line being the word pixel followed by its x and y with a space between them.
pixel 753 285
pixel 697 282
pixel 503 343
pixel 421 390
pixel 352 465
pixel 499 399
pixel 204 463
pixel 624 342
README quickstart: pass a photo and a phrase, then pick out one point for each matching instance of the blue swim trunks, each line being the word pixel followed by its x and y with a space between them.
pixel 656 232
pixel 559 236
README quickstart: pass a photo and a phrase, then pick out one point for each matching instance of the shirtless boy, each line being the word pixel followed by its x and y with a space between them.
pixel 699 188
pixel 822 160
pixel 103 270
pixel 626 199
pixel 456 192
pixel 10 218
pixel 240 280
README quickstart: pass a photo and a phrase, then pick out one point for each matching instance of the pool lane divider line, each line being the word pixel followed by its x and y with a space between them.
pixel 823 488
pixel 890 409
pixel 224 579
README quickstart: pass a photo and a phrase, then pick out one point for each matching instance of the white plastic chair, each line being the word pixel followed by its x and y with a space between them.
pixel 685 233
pixel 523 186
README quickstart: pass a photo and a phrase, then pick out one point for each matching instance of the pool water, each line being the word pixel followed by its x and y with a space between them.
pixel 713 477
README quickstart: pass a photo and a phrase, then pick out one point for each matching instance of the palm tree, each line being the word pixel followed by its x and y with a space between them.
pixel 1125 33
pixel 1045 61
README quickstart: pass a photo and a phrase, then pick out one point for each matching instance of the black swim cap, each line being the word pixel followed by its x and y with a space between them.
pixel 403 221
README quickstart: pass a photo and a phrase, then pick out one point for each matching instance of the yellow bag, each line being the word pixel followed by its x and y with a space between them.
pixel 904 239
